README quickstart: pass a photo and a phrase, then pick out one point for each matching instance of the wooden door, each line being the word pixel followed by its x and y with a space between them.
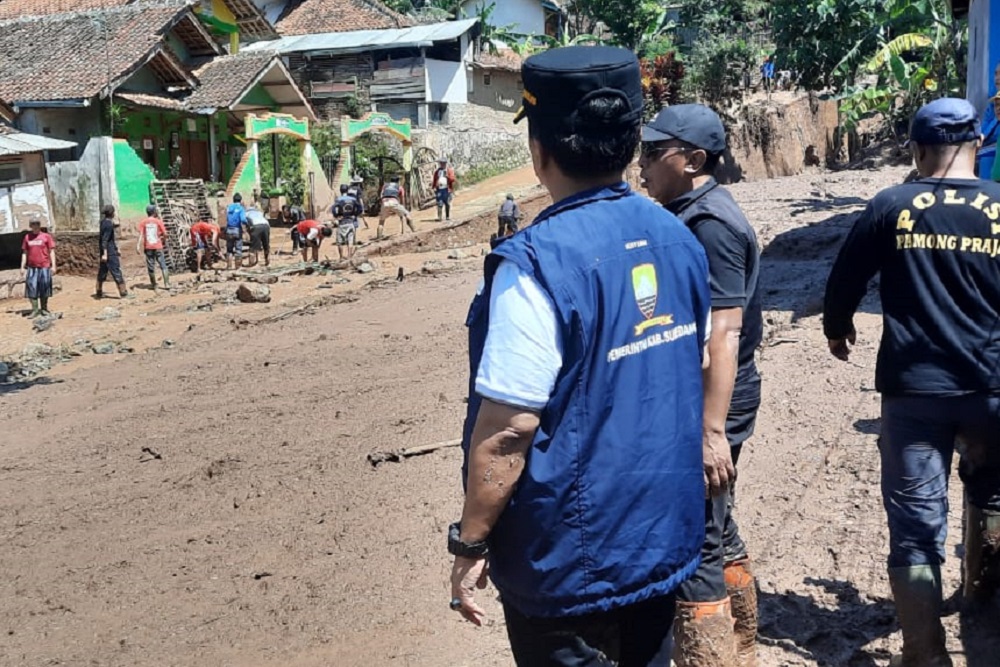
pixel 194 159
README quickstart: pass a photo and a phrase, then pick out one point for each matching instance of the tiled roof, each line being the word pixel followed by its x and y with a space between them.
pixel 309 17
pixel 504 59
pixel 14 9
pixel 224 79
pixel 69 56
pixel 151 100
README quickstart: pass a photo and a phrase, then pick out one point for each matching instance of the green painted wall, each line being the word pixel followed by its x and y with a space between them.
pixel 248 179
pixel 132 176
pixel 259 96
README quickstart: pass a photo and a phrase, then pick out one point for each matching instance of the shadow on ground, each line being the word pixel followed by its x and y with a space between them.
pixel 7 388
pixel 829 636
pixel 795 266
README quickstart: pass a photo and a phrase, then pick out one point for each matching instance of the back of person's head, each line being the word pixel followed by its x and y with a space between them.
pixel 945 136
pixel 237 198
pixel 327 232
pixel 510 196
pixel 344 188
pixel 150 210
pixel 583 154
pixel 584 106
pixel 108 211
pixel 394 179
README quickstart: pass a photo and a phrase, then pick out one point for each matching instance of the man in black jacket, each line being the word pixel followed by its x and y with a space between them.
pixel 110 256
pixel 935 242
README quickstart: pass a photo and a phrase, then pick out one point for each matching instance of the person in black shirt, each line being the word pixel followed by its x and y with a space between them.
pixel 936 243
pixel 681 148
pixel 291 216
pixel 110 256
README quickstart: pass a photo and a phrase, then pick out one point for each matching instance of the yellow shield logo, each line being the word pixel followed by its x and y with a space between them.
pixel 646 290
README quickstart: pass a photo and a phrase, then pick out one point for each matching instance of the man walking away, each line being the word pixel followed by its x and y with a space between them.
pixel 260 235
pixel 346 209
pixel 152 237
pixel 38 265
pixel 934 242
pixel 205 241
pixel 510 213
pixel 681 148
pixel 236 220
pixel 357 191
pixel 443 184
pixel 111 262
pixel 393 195
pixel 584 484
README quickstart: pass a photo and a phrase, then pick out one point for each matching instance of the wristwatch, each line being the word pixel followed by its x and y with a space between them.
pixel 456 547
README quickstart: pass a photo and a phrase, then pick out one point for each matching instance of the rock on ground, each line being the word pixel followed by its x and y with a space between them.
pixel 253 293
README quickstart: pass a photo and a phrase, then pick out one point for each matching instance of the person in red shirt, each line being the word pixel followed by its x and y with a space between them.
pixel 443 185
pixel 204 236
pixel 311 235
pixel 152 236
pixel 38 265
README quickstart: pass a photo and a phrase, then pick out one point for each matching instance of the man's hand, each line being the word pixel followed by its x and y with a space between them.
pixel 468 574
pixel 719 468
pixel 841 347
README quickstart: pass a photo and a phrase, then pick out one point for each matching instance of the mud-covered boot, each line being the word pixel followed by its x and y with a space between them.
pixel 99 291
pixel 742 589
pixel 123 291
pixel 703 635
pixel 981 570
pixel 917 592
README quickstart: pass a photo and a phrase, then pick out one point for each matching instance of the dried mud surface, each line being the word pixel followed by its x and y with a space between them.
pixel 209 502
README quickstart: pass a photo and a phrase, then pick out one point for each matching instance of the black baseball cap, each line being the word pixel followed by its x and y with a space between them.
pixel 557 82
pixel 949 120
pixel 695 124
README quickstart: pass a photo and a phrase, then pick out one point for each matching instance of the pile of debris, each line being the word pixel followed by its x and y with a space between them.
pixel 38 358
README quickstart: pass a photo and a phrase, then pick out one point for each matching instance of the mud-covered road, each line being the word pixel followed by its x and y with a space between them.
pixel 210 502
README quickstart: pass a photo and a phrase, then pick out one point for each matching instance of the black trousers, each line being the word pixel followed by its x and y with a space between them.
pixel 112 266
pixel 638 635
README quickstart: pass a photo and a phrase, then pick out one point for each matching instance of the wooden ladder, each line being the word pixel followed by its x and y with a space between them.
pixel 180 204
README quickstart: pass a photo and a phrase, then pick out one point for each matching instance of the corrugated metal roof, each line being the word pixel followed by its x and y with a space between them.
pixel 18 143
pixel 368 39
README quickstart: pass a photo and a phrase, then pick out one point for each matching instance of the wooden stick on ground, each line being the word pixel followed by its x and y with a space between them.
pixel 395 456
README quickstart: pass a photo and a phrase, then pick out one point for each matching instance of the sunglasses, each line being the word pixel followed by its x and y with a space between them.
pixel 649 149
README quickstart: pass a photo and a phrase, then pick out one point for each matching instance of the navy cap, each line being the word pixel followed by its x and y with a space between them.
pixel 695 124
pixel 949 120
pixel 557 82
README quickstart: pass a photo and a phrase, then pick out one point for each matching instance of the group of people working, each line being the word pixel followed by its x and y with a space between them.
pixel 613 386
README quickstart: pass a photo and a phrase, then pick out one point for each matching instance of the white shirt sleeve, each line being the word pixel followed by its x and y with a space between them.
pixel 523 352
pixel 313 233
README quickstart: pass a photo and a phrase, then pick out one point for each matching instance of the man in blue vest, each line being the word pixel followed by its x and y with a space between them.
pixel 236 220
pixel 583 461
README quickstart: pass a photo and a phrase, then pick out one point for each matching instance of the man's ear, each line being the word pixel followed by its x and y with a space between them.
pixel 696 160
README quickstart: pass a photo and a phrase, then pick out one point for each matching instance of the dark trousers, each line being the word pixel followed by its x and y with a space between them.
pixel 723 543
pixel 505 223
pixel 919 439
pixel 113 266
pixel 638 635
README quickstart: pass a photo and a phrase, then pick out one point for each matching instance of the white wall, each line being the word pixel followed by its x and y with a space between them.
pixel 446 81
pixel 527 16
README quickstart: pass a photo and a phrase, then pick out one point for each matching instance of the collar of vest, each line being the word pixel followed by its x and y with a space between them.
pixel 688 198
pixel 616 191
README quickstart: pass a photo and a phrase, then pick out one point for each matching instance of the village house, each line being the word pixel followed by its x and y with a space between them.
pixel 495 80
pixel 145 90
pixel 24 193
pixel 410 73
pixel 522 17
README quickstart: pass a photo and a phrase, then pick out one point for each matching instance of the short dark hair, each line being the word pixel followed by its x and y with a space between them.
pixel 601 153
pixel 712 161
pixel 237 198
pixel 150 210
pixel 108 211
pixel 327 232
pixel 344 188
pixel 286 207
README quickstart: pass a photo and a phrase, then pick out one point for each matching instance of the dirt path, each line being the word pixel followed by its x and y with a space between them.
pixel 262 536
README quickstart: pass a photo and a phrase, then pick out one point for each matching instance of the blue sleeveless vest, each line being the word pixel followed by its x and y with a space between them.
pixel 610 508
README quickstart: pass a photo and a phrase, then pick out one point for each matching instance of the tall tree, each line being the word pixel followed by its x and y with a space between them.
pixel 631 21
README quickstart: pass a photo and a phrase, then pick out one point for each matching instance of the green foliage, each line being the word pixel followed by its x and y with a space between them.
pixel 722 16
pixel 633 22
pixel 288 179
pixel 662 78
pixel 717 69
pixel 480 174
